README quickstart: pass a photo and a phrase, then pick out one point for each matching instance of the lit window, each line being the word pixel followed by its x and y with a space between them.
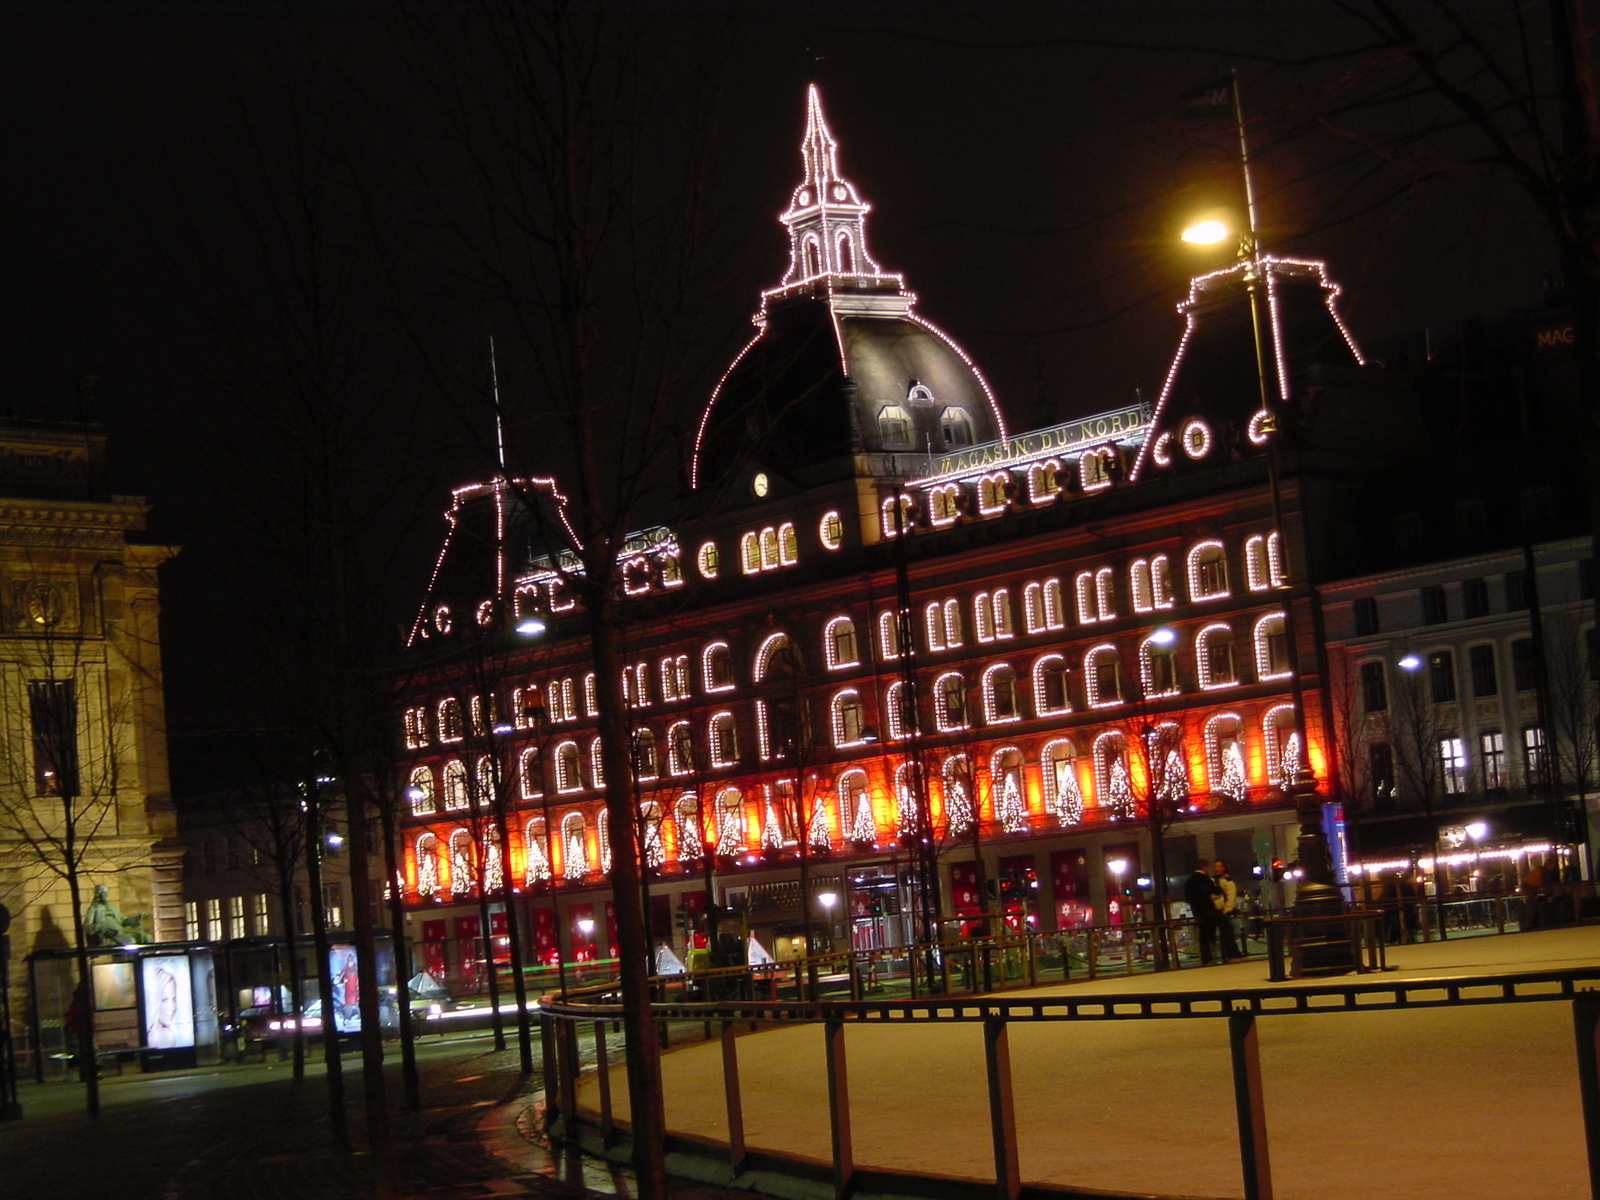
pixel 730 822
pixel 896 515
pixel 1050 685
pixel 416 728
pixel 849 720
pixel 1281 740
pixel 1272 648
pixel 855 808
pixel 671 569
pixel 1101 679
pixel 1213 652
pixel 951 693
pixel 1492 759
pixel 535 853
pixel 944 505
pixel 771 553
pixel 455 785
pixel 889 641
pixel 528 773
pixel 421 792
pixel 716 668
pixel 960 812
pixel 1453 764
pixel 894 427
pixel 574 847
pixel 636 575
pixel 900 710
pixel 1000 695
pixel 1158 669
pixel 749 553
pixel 451 728
pixel 1263 566
pixel 993 493
pixel 644 755
pixel 680 748
pixel 724 742
pixel 788 545
pixel 1224 734
pixel 426 859
pixel 463 872
pixel 1096 468
pixel 686 819
pixel 1044 481
pixel 839 643
pixel 1063 794
pixel 1113 790
pixel 707 560
pixel 830 530
pixel 1208 571
pixel 569 774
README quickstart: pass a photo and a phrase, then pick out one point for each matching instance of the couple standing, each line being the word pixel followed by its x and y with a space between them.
pixel 1212 897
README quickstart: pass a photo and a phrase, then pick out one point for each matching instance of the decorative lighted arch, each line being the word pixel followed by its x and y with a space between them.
pixel 708 673
pixel 1225 770
pixel 855 808
pixel 534 854
pixel 456 790
pixel 995 677
pixel 1202 653
pixel 1041 699
pixel 1210 550
pixel 770 646
pixel 569 768
pixel 574 846
pixel 1113 790
pixel 1063 793
pixel 1009 789
pixel 423 800
pixel 1092 659
pixel 847 718
pixel 1149 650
pixel 1266 626
pixel 943 718
pixel 686 827
pixel 1280 740
pixel 839 644
pixel 960 795
pixel 463 869
pixel 426 857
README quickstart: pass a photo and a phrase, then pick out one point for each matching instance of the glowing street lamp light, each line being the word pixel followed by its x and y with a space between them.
pixel 1205 233
pixel 1410 663
pixel 1163 635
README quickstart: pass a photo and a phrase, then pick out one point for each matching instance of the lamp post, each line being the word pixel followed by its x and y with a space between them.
pixel 828 900
pixel 1476 831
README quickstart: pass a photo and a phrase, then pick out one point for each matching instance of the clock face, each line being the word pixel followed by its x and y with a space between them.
pixel 759 484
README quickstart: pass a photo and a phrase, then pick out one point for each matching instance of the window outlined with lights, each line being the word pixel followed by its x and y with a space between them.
pixel 899 710
pixel 716 668
pixel 530 785
pixel 1097 468
pixel 839 644
pixel 574 846
pixel 1150 583
pixel 950 702
pixel 536 860
pixel 1001 704
pixel 1063 791
pixel 1271 640
pixel 889 641
pixel 425 856
pixel 847 718
pixel 680 748
pixel 942 624
pixel 416 727
pixel 673 672
pixel 1208 571
pixel 944 505
pixel 451 726
pixel 895 515
pixel 1044 481
pixel 688 835
pixel 1102 668
pixel 1223 737
pixel 646 763
pixel 568 767
pixel 1281 742
pixel 1158 667
pixel 1050 696
pixel 423 800
pixel 456 788
pixel 730 821
pixel 463 870
pixel 958 782
pixel 1263 562
pixel 855 808
pixel 1113 790
pixel 1214 659
pixel 994 493
pixel 723 739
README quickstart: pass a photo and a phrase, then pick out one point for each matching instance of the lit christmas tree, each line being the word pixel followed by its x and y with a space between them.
pixel 818 834
pixel 575 863
pixel 427 871
pixel 907 811
pixel 957 806
pixel 1289 761
pixel 1013 813
pixel 862 826
pixel 1233 784
pixel 1174 792
pixel 771 830
pixel 1119 791
pixel 1067 804
pixel 538 862
pixel 494 875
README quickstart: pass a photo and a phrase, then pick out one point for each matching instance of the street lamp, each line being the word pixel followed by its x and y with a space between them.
pixel 828 900
pixel 1476 831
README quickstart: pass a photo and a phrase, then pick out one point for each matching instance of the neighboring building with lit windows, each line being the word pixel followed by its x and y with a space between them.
pixel 898 605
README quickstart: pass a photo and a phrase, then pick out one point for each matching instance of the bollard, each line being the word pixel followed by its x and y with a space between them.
pixel 1002 1116
pixel 1586 1028
pixel 1248 1103
pixel 844 1168
pixel 730 1091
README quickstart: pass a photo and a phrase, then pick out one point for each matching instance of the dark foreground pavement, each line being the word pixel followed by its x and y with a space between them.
pixel 253 1134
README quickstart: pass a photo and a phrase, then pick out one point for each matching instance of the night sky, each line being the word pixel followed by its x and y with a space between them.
pixel 1028 186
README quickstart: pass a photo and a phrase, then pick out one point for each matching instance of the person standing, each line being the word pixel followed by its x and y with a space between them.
pixel 1226 900
pixel 1201 890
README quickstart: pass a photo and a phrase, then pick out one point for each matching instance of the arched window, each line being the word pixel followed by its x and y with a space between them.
pixel 960 794
pixel 982 618
pixel 716 668
pixel 602 830
pixel 830 531
pixel 1088 603
pixel 776 653
pixel 730 822
pixel 1097 468
pixel 1225 773
pixel 1054 609
pixel 1033 607
pixel 456 792
pixel 463 871
pixel 1158 667
pixel 1272 648
pixel 1063 794
pixel 910 797
pixel 416 728
pixel 563 701
pixel 1281 741
pixel 813 258
pixel 1208 571
pixel 950 702
pixel 1010 800
pixel 1000 695
pixel 955 427
pixel 686 823
pixel 992 492
pixel 574 847
pixel 933 620
pixel 1168 768
pixel 1044 481
pixel 849 720
pixel 952 624
pixel 1050 685
pixel 645 765
pixel 847 256
pixel 889 642
pixel 534 853
pixel 1105 599
pixel 770 556
pixel 423 801
pixel 944 505
pixel 749 553
pixel 724 741
pixel 895 515
pixel 1263 562
pixel 839 644
pixel 900 710
pixel 590 707
pixel 1113 788
pixel 569 768
pixel 1000 610
pixel 486 780
pixel 1139 590
pixel 450 725
pixel 680 748
pixel 597 764
pixel 1102 676
pixel 788 545
pixel 894 427
pixel 494 863
pixel 426 856
pixel 1161 581
pixel 855 808
pixel 650 839
pixel 1213 654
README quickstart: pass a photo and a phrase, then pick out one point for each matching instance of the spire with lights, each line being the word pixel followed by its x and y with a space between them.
pixel 826 216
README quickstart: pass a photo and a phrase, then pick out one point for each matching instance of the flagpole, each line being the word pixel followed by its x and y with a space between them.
pixel 1244 165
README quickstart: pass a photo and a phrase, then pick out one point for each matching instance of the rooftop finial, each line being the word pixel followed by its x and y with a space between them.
pixel 827 235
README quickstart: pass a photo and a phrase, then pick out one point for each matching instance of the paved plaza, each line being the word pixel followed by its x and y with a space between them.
pixel 1465 1102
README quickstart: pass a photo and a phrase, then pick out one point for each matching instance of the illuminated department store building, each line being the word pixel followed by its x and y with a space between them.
pixel 1045 572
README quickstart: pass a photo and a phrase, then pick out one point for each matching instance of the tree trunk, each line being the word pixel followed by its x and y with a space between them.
pixel 386 1182
pixel 319 939
pixel 296 1000
pixel 411 1088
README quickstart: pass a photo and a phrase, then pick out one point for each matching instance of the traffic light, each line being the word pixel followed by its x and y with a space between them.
pixel 1278 870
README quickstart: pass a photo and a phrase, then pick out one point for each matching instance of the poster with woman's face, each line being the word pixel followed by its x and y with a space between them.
pixel 168 1003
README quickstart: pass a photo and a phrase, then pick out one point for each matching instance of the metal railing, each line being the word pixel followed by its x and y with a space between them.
pixel 563 1016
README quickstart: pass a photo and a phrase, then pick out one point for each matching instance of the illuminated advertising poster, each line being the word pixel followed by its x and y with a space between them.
pixel 346 988
pixel 204 972
pixel 168 1013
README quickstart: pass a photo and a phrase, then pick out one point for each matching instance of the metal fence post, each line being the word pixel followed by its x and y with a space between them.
pixel 844 1167
pixel 1002 1115
pixel 548 1065
pixel 730 1091
pixel 1586 1027
pixel 1247 1100
pixel 603 1078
